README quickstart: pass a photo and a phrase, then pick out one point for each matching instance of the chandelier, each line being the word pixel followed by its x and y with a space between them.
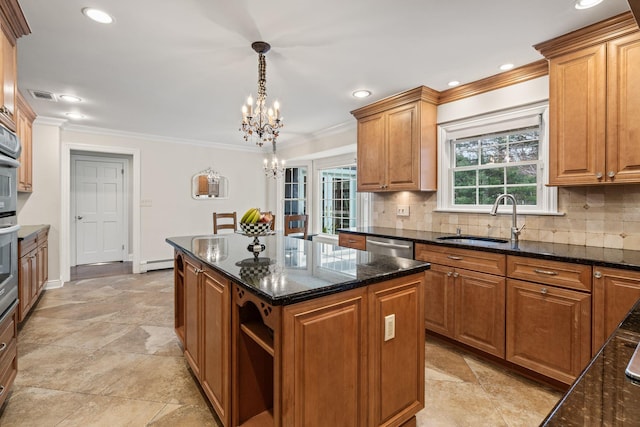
pixel 259 122
pixel 274 168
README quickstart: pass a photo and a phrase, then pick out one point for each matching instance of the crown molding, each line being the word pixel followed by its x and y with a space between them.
pixel 49 121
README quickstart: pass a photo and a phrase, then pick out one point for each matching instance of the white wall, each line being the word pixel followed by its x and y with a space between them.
pixel 166 169
pixel 43 205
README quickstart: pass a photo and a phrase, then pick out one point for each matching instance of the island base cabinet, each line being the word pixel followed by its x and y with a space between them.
pixel 324 355
pixel 548 329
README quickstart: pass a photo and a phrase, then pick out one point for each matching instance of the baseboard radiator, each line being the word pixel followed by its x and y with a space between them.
pixel 161 264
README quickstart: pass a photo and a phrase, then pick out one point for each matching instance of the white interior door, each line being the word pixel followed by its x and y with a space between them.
pixel 99 220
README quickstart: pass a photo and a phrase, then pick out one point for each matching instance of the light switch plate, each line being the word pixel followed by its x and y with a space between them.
pixel 402 210
pixel 389 327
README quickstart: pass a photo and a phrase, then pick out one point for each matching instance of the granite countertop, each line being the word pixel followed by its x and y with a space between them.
pixel 603 394
pixel 291 270
pixel 27 231
pixel 605 257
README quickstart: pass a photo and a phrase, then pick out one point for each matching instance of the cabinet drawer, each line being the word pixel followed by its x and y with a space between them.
pixel 486 262
pixel 27 245
pixel 354 241
pixel 7 333
pixel 567 275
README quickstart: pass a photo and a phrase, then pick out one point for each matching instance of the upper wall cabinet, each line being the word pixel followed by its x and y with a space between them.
pixel 24 125
pixel 13 25
pixel 594 104
pixel 397 142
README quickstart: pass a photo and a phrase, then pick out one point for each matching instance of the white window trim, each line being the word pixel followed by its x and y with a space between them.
pixel 363 204
pixel 549 198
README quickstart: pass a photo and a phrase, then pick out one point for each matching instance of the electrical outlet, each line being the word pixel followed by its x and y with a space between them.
pixel 402 210
pixel 389 327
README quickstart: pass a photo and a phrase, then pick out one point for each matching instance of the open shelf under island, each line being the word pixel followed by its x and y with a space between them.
pixel 309 334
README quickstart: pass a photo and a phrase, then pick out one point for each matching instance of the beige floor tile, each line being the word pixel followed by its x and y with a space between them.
pixel 185 416
pixel 95 335
pixel 105 411
pixel 32 406
pixel 157 340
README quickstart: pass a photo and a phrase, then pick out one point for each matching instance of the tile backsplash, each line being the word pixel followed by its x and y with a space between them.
pixel 603 216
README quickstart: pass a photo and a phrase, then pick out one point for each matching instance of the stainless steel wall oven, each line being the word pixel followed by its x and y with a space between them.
pixel 9 153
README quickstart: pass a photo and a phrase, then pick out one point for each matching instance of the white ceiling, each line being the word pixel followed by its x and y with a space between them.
pixel 182 69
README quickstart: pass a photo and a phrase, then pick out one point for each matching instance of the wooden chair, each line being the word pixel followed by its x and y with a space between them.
pixel 233 225
pixel 296 224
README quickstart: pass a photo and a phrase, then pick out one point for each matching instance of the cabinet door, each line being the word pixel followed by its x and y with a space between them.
pixel 479 311
pixel 623 109
pixel 24 286
pixel 192 314
pixel 41 267
pixel 403 148
pixel 24 131
pixel 577 115
pixel 324 356
pixel 8 89
pixel 548 329
pixel 371 153
pixel 396 371
pixel 216 330
pixel 439 300
pixel 614 294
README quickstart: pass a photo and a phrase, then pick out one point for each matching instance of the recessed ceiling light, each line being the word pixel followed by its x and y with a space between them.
pixel 453 83
pixel 505 67
pixel 97 15
pixel 75 116
pixel 70 98
pixel 586 4
pixel 362 93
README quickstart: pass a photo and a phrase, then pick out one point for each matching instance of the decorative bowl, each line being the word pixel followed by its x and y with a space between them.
pixel 255 228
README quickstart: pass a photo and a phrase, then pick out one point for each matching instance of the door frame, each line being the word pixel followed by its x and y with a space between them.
pixel 122 160
pixel 65 196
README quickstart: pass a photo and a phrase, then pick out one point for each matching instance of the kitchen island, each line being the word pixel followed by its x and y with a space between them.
pixel 306 334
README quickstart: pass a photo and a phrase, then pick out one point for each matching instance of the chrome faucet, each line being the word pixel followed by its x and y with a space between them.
pixel 515 231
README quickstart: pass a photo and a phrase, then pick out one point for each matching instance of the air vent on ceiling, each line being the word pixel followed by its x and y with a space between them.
pixel 45 96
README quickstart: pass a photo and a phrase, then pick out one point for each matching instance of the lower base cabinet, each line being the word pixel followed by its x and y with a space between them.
pixel 8 353
pixel 33 270
pixel 315 363
pixel 548 329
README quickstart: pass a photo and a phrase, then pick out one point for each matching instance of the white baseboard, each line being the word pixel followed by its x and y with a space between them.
pixel 155 265
pixel 53 284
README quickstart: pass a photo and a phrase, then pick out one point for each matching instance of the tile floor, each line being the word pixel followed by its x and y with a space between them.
pixel 102 352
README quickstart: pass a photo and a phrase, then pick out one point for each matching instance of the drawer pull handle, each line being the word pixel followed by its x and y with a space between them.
pixel 455 258
pixel 1 390
pixel 544 291
pixel 547 272
pixel 3 346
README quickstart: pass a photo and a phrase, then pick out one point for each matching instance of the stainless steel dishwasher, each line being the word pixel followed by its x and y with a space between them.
pixel 392 247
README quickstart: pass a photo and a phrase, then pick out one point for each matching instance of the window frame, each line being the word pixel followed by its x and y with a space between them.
pixel 497 121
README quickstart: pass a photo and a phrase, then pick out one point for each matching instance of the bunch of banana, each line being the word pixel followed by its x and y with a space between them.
pixel 251 216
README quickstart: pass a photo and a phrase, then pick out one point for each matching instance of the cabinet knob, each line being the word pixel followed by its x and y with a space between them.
pixel 599 175
pixel 455 274
pixel 597 275
pixel 611 174
pixel 544 291
pixel 3 346
pixel 449 273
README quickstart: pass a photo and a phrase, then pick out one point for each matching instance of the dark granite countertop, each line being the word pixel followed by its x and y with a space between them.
pixel 603 395
pixel 27 231
pixel 605 257
pixel 293 270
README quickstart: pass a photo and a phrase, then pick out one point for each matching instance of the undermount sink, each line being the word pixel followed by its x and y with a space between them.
pixel 462 238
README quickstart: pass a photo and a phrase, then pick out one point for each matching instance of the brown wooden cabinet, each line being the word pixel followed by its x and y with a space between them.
pixel 8 353
pixel 33 270
pixel 548 329
pixel 615 292
pixel 464 304
pixel 353 241
pixel 397 142
pixel 593 104
pixel 13 25
pixel 192 313
pixel 24 126
pixel 549 316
